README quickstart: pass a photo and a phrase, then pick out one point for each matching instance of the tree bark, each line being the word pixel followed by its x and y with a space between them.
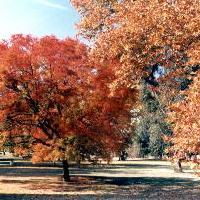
pixel 177 166
pixel 66 170
pixel 78 162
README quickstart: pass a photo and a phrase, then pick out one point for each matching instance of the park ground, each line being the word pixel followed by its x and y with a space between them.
pixel 136 179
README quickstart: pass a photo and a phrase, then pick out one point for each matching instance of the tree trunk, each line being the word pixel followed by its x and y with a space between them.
pixel 177 166
pixel 78 163
pixel 66 170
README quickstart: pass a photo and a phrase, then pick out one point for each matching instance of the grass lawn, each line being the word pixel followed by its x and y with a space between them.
pixel 138 179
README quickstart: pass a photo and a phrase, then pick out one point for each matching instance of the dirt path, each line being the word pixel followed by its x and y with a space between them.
pixel 120 180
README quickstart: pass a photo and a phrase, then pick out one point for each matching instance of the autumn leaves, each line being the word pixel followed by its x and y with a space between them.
pixel 137 34
pixel 61 92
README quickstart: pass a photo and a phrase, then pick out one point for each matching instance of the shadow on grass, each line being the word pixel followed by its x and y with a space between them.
pixel 133 188
pixel 151 181
pixel 97 187
pixel 31 197
pixel 111 188
pixel 48 169
pixel 29 171
pixel 43 169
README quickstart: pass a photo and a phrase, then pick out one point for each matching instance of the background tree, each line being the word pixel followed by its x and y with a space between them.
pixel 113 109
pixel 185 118
pixel 152 124
pixel 140 33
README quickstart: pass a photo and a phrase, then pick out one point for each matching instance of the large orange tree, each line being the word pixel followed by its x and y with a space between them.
pixel 55 104
pixel 43 85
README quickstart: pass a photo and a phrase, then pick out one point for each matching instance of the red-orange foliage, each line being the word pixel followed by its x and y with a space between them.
pixel 51 93
pixel 43 85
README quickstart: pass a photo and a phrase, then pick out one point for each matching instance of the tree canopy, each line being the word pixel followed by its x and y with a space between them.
pixel 185 117
pixel 52 95
pixel 61 99
pixel 140 33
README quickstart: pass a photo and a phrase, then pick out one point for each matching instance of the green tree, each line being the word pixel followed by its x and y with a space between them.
pixel 152 124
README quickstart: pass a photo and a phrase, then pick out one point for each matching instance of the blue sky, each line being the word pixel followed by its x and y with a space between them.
pixel 37 17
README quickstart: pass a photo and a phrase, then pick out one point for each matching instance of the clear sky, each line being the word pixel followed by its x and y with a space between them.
pixel 37 17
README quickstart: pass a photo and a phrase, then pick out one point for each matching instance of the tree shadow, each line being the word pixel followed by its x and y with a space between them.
pixel 151 181
pixel 85 185
pixel 29 171
pixel 31 197
pixel 111 188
